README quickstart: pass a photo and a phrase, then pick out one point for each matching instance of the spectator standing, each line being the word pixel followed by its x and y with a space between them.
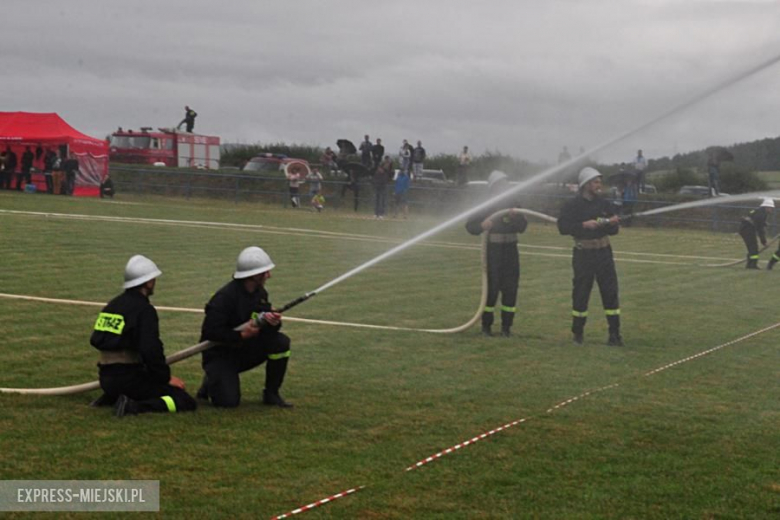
pixel 401 194
pixel 640 165
pixel 9 167
pixel 713 171
pixel 27 161
pixel 294 180
pixel 382 176
pixel 314 178
pixel 57 174
pixel 377 152
pixel 328 160
pixel 418 158
pixel 365 153
pixel 71 167
pixel 48 166
pixel 464 163
pixel 405 156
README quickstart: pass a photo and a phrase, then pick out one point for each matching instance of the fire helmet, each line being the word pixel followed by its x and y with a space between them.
pixel 768 203
pixel 252 261
pixel 139 270
pixel 587 174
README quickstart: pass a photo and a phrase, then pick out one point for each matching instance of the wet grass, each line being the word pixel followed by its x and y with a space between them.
pixel 698 440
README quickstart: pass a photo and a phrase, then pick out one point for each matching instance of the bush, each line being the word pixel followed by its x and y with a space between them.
pixel 673 181
pixel 735 180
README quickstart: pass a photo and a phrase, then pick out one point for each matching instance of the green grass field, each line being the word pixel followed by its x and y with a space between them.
pixel 697 440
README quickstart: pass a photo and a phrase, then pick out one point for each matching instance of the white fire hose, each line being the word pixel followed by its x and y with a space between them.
pixel 204 345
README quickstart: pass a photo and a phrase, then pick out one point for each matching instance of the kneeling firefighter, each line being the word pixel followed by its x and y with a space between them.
pixel 133 371
pixel 752 225
pixel 503 264
pixel 244 302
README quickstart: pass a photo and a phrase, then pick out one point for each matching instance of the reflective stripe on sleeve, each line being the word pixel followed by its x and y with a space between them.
pixel 275 357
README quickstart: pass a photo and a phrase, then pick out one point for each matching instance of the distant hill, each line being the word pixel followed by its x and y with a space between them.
pixel 762 155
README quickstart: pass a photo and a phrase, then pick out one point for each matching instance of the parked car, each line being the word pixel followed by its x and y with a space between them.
pixel 432 178
pixel 271 163
pixel 699 191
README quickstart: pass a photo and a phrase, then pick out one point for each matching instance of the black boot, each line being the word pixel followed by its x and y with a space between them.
pixel 578 339
pixel 751 264
pixel 487 323
pixel 125 406
pixel 615 340
pixel 771 264
pixel 274 399
pixel 506 331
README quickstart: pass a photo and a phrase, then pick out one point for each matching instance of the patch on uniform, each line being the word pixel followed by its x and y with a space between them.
pixel 113 323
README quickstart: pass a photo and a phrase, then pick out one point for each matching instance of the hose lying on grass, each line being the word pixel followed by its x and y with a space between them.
pixel 204 345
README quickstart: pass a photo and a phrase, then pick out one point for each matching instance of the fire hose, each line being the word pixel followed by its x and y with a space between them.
pixel 205 345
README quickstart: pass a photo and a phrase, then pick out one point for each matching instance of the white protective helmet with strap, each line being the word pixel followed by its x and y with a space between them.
pixel 139 270
pixel 767 203
pixel 252 261
pixel 587 174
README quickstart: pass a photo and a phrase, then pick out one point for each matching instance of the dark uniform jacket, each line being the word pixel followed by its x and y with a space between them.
pixel 757 219
pixel 506 224
pixel 578 210
pixel 129 322
pixel 230 307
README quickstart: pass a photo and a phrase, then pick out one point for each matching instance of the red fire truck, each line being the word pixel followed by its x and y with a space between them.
pixel 165 147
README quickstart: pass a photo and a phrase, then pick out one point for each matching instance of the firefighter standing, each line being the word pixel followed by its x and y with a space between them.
pixel 189 119
pixel 503 264
pixel 590 219
pixel 755 224
pixel 244 301
pixel 133 371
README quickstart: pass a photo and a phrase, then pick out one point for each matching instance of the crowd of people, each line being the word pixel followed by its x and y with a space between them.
pixel 59 170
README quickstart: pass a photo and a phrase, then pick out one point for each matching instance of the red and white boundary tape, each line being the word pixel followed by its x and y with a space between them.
pixel 558 406
pixel 318 503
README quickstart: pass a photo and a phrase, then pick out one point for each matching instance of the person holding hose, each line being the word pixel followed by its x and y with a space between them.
pixel 590 220
pixel 132 367
pixel 755 224
pixel 244 302
pixel 503 263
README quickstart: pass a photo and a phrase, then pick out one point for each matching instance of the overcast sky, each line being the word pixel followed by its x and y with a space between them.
pixel 524 77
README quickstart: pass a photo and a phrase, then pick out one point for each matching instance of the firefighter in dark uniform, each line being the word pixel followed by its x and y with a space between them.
pixel 752 225
pixel 244 302
pixel 132 367
pixel 189 119
pixel 503 264
pixel 590 219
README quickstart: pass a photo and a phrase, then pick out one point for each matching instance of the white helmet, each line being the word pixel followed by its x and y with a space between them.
pixel 252 261
pixel 587 174
pixel 139 270
pixel 768 203
pixel 496 177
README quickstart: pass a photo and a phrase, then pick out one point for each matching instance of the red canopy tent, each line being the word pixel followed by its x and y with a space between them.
pixel 49 131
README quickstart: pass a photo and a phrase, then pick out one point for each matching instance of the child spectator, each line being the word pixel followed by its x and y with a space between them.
pixel 318 202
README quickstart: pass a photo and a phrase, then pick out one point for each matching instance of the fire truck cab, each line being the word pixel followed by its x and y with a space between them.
pixel 167 146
